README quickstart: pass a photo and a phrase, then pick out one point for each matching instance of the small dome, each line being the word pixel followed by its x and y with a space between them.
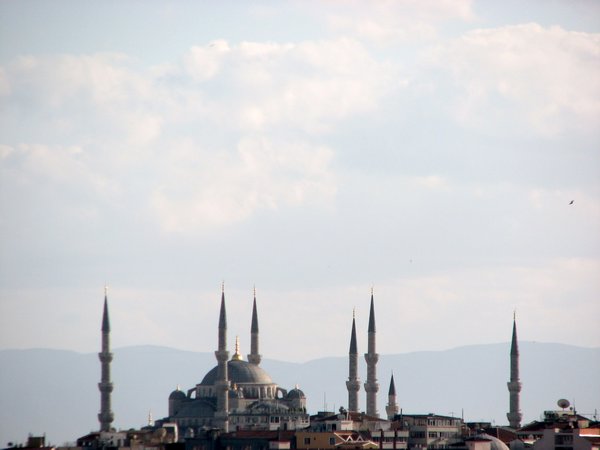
pixel 177 395
pixel 495 444
pixel 239 372
pixel 295 393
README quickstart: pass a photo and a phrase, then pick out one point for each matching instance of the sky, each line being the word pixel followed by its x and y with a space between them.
pixel 444 153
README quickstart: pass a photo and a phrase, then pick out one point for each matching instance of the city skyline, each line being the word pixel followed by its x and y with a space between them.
pixel 443 153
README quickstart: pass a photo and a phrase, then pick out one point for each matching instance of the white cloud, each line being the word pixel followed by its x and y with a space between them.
pixel 309 85
pixel 204 63
pixel 390 22
pixel 53 166
pixel 525 77
pixel 222 189
pixel 208 140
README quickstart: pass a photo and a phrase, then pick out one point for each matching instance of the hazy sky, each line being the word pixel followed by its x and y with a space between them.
pixel 430 149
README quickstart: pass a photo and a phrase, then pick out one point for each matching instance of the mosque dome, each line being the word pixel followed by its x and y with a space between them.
pixel 239 372
pixel 295 394
pixel 177 395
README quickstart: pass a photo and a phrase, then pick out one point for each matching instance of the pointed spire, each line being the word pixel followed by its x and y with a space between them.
pixel 514 346
pixel 353 346
pixel 254 356
pixel 223 313
pixel 254 326
pixel 105 320
pixel 392 407
pixel 372 315
pixel 392 390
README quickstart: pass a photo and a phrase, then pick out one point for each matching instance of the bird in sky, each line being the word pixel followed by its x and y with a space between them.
pixel 571 202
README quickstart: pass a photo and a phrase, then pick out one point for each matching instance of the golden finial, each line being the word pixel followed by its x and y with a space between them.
pixel 105 290
pixel 223 287
pixel 354 313
pixel 178 387
pixel 237 355
pixel 372 288
pixel 150 419
pixel 514 314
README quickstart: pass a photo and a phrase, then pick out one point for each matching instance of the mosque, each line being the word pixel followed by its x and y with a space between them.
pixel 235 394
pixel 238 394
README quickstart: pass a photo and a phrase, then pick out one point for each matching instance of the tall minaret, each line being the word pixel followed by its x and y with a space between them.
pixel 514 385
pixel 106 416
pixel 222 383
pixel 353 383
pixel 371 386
pixel 392 407
pixel 254 356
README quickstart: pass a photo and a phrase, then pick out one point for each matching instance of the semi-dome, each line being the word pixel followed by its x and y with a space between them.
pixel 239 372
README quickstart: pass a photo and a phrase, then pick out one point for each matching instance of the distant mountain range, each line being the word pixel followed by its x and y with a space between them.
pixel 55 391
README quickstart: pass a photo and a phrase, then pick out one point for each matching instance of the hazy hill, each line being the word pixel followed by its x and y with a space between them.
pixel 55 391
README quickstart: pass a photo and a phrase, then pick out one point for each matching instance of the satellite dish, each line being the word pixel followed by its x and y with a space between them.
pixel 563 403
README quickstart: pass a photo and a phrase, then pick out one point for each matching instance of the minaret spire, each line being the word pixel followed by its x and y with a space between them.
pixel 254 357
pixel 353 383
pixel 371 357
pixel 392 407
pixel 514 385
pixel 106 416
pixel 222 382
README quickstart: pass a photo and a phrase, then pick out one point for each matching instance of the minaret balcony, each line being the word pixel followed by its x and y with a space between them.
pixel 105 357
pixel 371 358
pixel 105 386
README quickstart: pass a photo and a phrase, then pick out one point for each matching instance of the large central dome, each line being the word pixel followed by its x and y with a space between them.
pixel 239 372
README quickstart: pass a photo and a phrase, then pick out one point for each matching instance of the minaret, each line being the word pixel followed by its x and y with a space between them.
pixel 371 386
pixel 254 356
pixel 106 416
pixel 222 383
pixel 353 383
pixel 514 385
pixel 392 407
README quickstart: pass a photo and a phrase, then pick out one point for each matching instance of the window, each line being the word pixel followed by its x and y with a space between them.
pixel 307 441
pixel 331 441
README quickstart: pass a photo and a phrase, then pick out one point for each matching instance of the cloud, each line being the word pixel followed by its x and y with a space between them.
pixel 204 63
pixel 393 22
pixel 208 140
pixel 223 189
pixel 309 85
pixel 526 77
